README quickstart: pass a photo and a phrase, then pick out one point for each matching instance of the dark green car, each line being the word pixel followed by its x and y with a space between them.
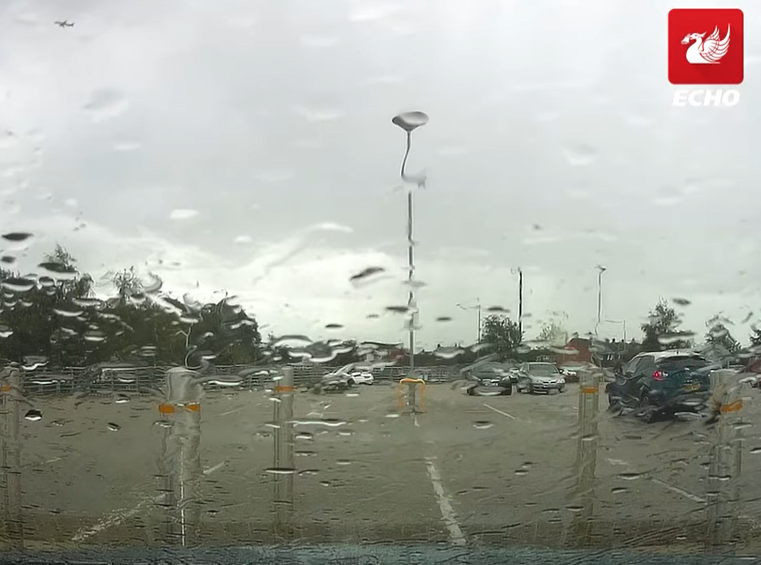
pixel 661 383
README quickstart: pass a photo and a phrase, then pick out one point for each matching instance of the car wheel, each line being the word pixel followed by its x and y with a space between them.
pixel 561 389
pixel 508 391
pixel 472 391
pixel 647 410
pixel 530 389
pixel 350 382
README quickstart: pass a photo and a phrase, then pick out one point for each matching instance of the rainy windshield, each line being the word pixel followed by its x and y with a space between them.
pixel 282 274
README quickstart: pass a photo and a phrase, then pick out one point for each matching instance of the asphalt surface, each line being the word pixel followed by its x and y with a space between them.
pixel 467 471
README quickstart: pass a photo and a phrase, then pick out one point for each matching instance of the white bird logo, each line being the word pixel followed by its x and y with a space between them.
pixel 705 52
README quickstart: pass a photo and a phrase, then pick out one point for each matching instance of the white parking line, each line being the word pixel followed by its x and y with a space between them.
pixel 120 516
pixel 232 411
pixel 500 412
pixel 445 505
pixel 677 490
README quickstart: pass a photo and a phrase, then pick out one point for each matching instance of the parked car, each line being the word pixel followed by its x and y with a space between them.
pixel 660 383
pixel 540 377
pixel 489 379
pixel 569 375
pixel 361 378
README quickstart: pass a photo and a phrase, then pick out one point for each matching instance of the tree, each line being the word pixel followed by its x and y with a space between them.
pixel 501 334
pixel 661 330
pixel 553 334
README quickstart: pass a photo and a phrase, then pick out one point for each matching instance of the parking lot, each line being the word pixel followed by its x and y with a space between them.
pixel 468 470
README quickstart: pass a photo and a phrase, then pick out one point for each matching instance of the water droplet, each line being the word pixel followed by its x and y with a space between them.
pixel 574 508
pixel 68 313
pixel 343 462
pixel 33 415
pixel 121 398
pixel 114 427
pixel 280 470
pixel 333 326
pixel 681 301
pixel 367 276
pixel 448 352
pixel 521 472
pixel 444 319
pixel 756 450
pixel 17 236
pixel 392 415
pixel 629 476
pixel 483 424
pixel 305 436
pixel 308 472
pixel 183 214
pixel 410 121
pixel 619 490
pixel 105 104
pixel 306 453
pixel 18 284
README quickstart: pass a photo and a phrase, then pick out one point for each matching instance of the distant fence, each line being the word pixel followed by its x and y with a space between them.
pixel 148 380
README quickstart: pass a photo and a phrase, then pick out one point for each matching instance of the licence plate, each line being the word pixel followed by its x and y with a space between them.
pixel 691 388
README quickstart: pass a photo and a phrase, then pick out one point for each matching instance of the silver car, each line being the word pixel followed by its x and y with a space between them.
pixel 540 377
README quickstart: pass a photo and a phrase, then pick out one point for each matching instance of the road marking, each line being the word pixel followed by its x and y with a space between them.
pixel 500 412
pixel 120 516
pixel 414 419
pixel 677 490
pixel 445 505
pixel 232 411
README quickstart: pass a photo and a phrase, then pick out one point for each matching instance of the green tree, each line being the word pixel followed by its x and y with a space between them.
pixel 553 334
pixel 661 330
pixel 501 334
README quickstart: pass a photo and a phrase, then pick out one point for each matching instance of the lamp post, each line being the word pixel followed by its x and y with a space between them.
pixel 477 307
pixel 600 271
pixel 409 122
pixel 520 298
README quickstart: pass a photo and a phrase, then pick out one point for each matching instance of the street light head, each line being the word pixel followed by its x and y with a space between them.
pixel 409 121
pixel 601 268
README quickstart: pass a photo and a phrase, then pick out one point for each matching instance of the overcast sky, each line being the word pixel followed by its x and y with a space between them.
pixel 247 146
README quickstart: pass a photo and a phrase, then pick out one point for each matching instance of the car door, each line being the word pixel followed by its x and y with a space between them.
pixel 523 378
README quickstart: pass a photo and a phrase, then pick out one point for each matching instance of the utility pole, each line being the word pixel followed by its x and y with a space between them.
pixel 601 270
pixel 520 298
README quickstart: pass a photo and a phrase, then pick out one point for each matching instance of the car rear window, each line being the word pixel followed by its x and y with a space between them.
pixel 680 363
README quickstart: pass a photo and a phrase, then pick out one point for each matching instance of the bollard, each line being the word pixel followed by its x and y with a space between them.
pixel 180 463
pixel 725 459
pixel 284 467
pixel 11 388
pixel 586 455
pixel 413 398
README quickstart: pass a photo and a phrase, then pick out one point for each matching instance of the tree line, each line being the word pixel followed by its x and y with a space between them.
pixel 55 319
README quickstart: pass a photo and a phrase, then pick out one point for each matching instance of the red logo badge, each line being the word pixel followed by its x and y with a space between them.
pixel 705 46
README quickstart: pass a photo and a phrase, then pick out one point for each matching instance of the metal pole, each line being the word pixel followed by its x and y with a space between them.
pixel 12 396
pixel 520 300
pixel 284 467
pixel 180 463
pixel 411 302
pixel 479 321
pixel 725 463
pixel 586 458
pixel 599 295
